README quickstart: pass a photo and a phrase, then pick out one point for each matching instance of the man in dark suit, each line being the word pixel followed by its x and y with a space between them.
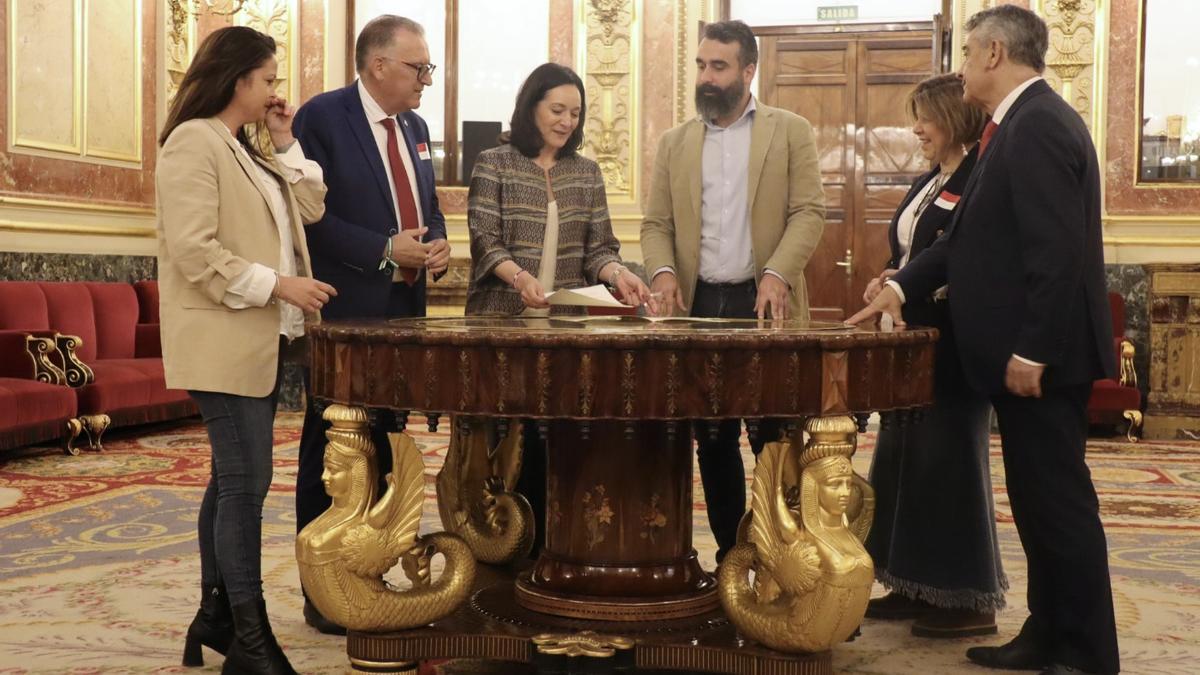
pixel 382 232
pixel 1024 260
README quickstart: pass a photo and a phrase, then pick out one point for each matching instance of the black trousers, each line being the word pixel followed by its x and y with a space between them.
pixel 721 471
pixel 1057 516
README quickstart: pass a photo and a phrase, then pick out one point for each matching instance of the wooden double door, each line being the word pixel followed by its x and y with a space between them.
pixel 852 87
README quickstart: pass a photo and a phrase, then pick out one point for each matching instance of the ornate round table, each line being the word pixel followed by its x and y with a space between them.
pixel 616 400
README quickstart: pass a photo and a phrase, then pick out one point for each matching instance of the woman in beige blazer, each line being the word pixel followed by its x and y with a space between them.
pixel 234 285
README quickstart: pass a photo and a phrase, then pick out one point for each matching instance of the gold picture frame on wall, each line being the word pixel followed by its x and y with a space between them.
pixel 1167 128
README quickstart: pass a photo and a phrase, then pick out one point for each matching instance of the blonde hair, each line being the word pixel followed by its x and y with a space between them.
pixel 940 98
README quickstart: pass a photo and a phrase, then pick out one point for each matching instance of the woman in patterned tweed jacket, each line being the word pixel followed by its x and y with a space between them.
pixel 535 193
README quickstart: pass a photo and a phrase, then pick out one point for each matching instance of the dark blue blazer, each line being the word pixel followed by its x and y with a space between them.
pixel 1023 252
pixel 347 244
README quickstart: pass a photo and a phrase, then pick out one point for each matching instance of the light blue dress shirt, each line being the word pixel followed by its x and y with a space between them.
pixel 726 255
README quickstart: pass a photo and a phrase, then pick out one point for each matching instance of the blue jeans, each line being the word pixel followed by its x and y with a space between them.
pixel 240 430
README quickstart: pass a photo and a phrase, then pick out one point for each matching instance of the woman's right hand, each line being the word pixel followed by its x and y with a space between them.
pixel 531 291
pixel 309 295
pixel 876 285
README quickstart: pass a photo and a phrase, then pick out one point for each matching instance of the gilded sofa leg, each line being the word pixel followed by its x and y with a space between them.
pixel 74 428
pixel 95 425
pixel 1135 425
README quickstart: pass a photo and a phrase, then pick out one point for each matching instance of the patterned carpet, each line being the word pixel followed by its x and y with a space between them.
pixel 98 569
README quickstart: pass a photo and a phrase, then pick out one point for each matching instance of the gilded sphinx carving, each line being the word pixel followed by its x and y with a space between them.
pixel 475 497
pixel 812 575
pixel 344 553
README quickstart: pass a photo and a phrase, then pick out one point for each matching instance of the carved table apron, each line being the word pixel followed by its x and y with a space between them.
pixel 614 398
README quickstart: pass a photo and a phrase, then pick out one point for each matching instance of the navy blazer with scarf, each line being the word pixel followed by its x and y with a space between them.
pixel 347 244
pixel 1023 252
pixel 931 224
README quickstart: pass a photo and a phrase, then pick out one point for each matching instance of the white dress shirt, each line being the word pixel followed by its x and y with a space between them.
pixel 997 117
pixel 253 287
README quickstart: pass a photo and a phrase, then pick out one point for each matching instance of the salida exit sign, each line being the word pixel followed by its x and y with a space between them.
pixel 841 13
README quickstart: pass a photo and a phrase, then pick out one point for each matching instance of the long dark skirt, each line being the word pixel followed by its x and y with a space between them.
pixel 934 537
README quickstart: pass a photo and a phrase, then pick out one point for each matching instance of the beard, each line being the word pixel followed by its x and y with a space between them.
pixel 713 102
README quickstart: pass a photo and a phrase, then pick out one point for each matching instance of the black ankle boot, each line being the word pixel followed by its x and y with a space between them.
pixel 212 627
pixel 254 649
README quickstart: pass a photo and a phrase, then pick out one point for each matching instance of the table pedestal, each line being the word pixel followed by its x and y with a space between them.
pixel 618 525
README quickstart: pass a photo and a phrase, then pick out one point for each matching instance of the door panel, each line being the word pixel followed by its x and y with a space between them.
pixel 852 88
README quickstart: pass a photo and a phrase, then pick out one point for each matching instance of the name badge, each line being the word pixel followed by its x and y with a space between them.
pixel 423 151
pixel 946 201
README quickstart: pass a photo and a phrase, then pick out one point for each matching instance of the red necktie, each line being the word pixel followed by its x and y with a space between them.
pixel 405 203
pixel 988 131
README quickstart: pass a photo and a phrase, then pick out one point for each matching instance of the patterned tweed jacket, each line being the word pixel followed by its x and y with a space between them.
pixel 507 219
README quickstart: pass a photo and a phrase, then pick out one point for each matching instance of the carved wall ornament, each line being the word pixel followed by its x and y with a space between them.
pixel 1072 56
pixel 277 18
pixel 609 67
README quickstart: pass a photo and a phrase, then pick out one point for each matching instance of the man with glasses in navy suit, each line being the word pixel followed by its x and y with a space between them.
pixel 383 232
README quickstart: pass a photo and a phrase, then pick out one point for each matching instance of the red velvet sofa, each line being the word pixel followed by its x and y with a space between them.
pixel 107 350
pixel 31 409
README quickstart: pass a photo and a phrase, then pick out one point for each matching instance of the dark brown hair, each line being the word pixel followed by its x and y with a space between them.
pixel 726 32
pixel 226 56
pixel 524 134
pixel 941 99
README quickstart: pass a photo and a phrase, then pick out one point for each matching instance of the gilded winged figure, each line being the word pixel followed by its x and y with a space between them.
pixel 344 553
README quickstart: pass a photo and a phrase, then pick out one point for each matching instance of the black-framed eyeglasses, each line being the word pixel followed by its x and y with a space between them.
pixel 423 69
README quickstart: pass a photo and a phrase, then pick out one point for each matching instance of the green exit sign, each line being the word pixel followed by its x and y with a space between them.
pixel 842 13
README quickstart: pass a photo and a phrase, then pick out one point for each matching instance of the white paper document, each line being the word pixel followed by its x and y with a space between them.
pixel 591 296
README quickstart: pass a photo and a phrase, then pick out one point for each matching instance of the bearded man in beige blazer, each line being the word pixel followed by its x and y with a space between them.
pixel 735 211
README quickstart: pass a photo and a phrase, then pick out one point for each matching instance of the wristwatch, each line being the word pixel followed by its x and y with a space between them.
pixel 387 265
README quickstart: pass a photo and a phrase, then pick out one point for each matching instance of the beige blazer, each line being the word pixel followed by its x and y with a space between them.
pixel 214 219
pixel 787 204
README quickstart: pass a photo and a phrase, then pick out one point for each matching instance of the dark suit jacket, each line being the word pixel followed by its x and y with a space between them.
pixel 1023 254
pixel 924 310
pixel 347 244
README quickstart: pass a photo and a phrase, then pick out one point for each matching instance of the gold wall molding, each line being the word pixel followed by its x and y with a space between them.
pixel 105 118
pixel 56 205
pixel 608 44
pixel 75 228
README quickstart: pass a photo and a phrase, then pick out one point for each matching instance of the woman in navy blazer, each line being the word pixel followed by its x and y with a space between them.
pixel 934 539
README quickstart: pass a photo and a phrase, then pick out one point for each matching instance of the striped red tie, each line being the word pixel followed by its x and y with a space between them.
pixel 988 132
